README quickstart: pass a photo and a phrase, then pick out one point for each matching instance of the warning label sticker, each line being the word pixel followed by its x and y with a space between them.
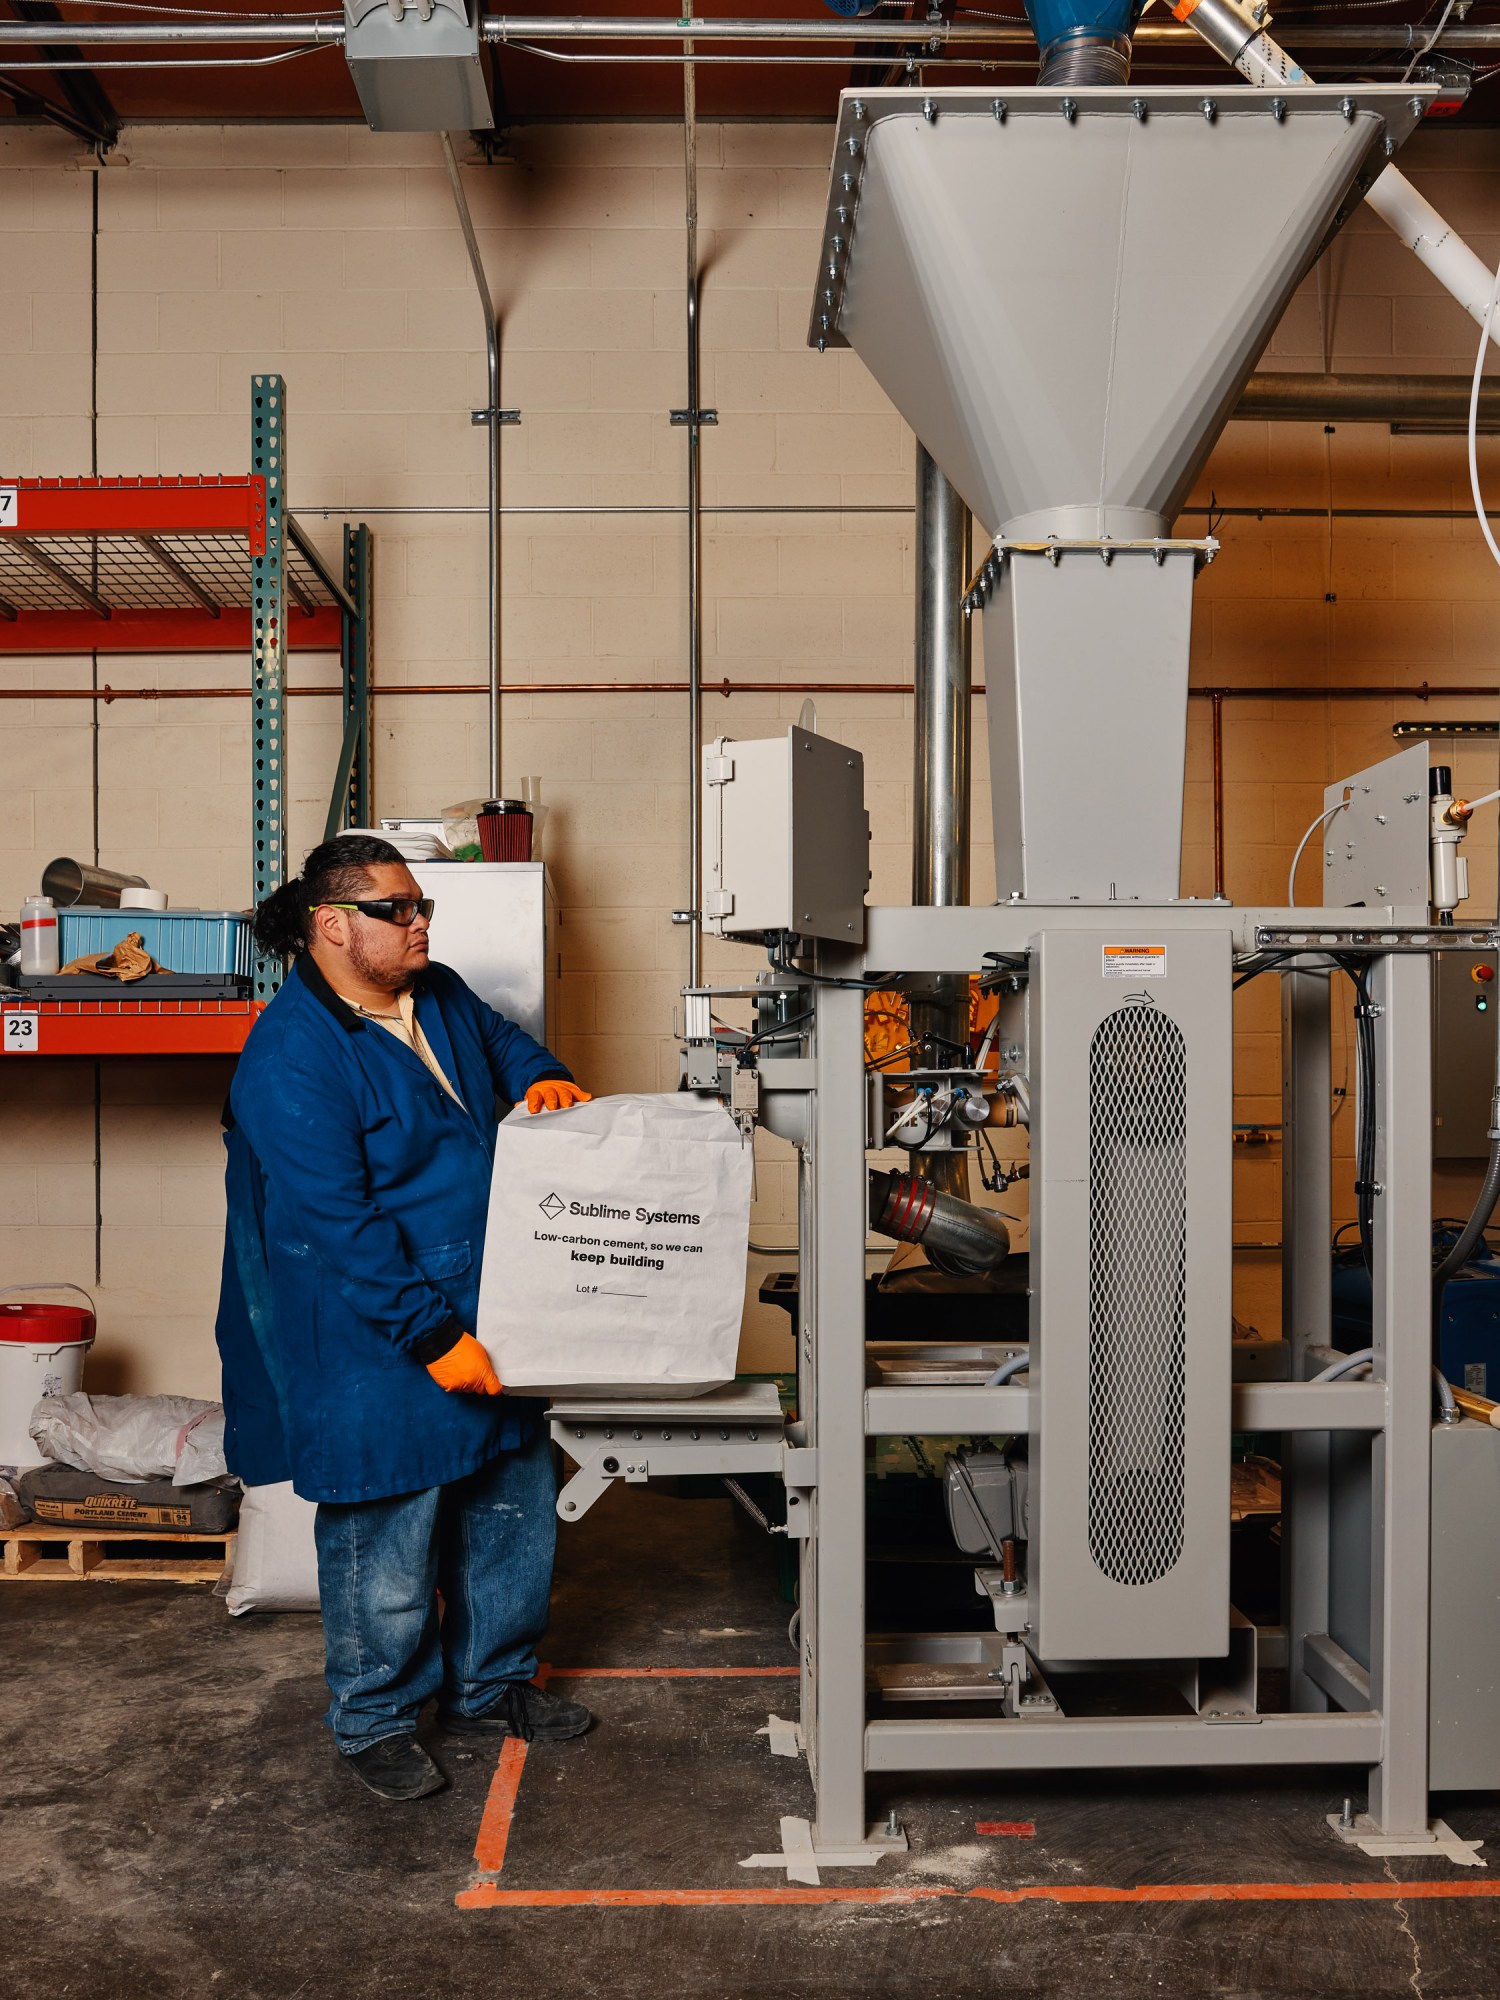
pixel 1135 961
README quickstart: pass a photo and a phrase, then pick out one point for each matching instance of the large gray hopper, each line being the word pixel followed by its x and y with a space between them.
pixel 1063 295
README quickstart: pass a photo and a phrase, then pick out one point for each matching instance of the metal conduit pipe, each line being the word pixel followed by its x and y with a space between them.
pixel 694 417
pixel 492 421
pixel 312 32
pixel 1463 691
pixel 940 785
pixel 1148 33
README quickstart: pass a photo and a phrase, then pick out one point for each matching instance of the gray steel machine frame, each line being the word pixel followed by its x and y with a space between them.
pixel 1068 366
pixel 1377 1721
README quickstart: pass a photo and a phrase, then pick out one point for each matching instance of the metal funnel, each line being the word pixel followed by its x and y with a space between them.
pixel 1063 294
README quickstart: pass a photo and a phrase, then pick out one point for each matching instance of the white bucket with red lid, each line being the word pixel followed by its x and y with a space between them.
pixel 42 1349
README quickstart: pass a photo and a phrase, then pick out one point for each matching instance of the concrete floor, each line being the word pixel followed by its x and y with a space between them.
pixel 175 1824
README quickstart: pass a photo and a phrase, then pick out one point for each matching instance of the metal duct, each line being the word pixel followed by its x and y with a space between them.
pixel 1083 42
pixel 957 1236
pixel 1367 399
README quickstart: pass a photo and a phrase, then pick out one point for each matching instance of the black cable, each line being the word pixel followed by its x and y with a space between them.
pixel 1367 1127
pixel 780 963
pixel 775 1030
pixel 1268 964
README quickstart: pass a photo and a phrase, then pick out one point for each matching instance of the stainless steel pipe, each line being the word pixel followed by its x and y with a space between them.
pixel 940 777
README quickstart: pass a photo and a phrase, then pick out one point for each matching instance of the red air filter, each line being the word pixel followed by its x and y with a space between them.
pixel 505 830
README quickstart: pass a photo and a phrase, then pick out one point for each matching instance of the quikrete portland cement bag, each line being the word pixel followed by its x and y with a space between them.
pixel 615 1250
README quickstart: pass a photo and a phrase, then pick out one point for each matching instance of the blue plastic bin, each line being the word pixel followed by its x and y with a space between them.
pixel 179 940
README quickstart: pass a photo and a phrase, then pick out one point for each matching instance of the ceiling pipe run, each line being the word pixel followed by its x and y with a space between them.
pixel 292 32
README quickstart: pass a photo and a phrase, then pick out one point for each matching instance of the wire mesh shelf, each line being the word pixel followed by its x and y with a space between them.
pixel 121 572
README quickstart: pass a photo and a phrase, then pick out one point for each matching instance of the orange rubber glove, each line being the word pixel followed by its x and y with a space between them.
pixel 465 1367
pixel 555 1093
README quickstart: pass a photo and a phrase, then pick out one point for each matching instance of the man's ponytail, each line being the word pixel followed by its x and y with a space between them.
pixel 281 920
pixel 336 872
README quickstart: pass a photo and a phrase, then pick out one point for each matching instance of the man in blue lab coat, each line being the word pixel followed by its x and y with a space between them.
pixel 361 1136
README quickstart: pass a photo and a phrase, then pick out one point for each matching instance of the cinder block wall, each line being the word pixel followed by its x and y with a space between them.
pixel 332 255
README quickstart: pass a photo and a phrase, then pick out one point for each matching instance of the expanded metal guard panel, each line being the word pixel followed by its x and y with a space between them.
pixel 127 572
pixel 1137 1285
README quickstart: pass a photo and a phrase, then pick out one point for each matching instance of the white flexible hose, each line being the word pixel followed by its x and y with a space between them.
pixel 1484 341
pixel 1321 820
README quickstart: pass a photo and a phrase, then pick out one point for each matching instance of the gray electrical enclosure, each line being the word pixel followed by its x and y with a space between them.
pixel 787 838
pixel 1463 1053
pixel 416 65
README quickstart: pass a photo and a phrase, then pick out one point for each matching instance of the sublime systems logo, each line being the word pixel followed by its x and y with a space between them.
pixel 552 1207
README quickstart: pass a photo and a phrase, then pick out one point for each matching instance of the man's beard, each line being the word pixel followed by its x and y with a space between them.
pixel 376 975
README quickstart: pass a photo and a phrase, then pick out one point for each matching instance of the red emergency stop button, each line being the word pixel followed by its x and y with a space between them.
pixel 1482 974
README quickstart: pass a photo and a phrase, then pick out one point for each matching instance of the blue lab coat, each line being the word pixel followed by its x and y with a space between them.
pixel 373 1188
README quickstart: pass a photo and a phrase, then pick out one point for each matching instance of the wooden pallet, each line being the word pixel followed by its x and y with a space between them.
pixel 39 1553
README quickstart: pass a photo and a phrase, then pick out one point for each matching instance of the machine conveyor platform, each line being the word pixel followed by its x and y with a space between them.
pixel 735 1429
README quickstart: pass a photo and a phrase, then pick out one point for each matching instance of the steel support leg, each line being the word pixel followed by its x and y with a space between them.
pixel 1403 1342
pixel 1306 1308
pixel 356 673
pixel 834 1620
pixel 267 653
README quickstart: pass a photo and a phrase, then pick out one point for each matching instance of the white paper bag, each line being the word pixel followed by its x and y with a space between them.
pixel 275 1556
pixel 615 1250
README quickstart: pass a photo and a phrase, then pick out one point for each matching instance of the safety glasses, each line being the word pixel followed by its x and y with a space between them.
pixel 402 910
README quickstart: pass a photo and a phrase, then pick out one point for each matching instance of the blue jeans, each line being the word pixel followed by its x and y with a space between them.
pixel 486 1542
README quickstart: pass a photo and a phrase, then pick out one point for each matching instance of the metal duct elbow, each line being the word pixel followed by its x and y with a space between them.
pixel 1083 42
pixel 958 1237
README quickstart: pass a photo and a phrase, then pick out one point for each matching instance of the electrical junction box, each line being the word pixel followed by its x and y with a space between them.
pixel 787 838
pixel 1465 1009
pixel 416 65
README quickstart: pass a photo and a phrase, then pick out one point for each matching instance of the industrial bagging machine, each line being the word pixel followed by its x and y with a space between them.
pixel 1064 291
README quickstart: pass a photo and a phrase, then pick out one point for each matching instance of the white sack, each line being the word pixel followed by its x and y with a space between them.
pixel 133 1437
pixel 615 1249
pixel 275 1559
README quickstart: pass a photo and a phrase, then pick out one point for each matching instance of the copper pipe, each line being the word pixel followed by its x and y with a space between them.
pixel 1217 699
pixel 1424 691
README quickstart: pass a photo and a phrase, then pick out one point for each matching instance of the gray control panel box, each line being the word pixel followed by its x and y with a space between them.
pixel 787 838
pixel 1463 1052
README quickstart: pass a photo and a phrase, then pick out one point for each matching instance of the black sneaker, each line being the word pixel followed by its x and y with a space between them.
pixel 397 1767
pixel 523 1710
